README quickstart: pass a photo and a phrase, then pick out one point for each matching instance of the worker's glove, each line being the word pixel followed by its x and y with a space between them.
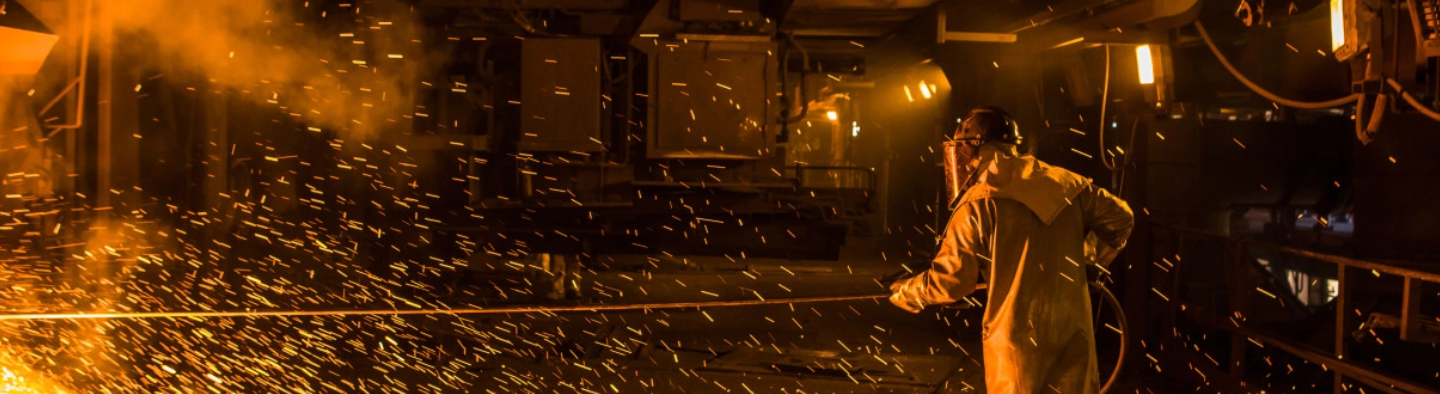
pixel 902 299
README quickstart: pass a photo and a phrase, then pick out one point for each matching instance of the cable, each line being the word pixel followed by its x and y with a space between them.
pixel 1419 106
pixel 1124 337
pixel 1359 120
pixel 1261 91
pixel 1104 102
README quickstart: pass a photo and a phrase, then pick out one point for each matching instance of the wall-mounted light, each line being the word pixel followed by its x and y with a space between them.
pixel 1146 64
pixel 1153 66
pixel 924 90
pixel 854 129
pixel 832 115
pixel 1352 26
pixel 908 95
pixel 1337 24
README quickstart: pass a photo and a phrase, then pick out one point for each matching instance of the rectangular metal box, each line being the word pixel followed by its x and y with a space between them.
pixel 710 103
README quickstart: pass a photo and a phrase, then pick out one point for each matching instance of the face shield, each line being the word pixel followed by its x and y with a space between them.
pixel 960 156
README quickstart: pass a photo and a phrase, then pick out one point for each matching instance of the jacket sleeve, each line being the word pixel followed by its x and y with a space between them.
pixel 956 268
pixel 1109 218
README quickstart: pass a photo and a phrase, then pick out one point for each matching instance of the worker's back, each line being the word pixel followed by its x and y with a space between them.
pixel 1024 224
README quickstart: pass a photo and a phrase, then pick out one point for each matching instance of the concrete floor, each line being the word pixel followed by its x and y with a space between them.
pixel 829 347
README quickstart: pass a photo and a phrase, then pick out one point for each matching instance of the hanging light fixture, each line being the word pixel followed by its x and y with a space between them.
pixel 1337 24
pixel 1146 64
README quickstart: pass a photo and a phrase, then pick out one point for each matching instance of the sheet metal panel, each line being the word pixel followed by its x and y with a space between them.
pixel 560 95
pixel 710 104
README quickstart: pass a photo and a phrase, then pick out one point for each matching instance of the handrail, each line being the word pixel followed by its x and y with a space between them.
pixel 1330 258
pixel 1342 368
pixel 1377 379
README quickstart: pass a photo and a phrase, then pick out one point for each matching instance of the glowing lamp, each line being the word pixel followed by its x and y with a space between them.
pixel 1337 24
pixel 1146 63
pixel 832 115
pixel 924 89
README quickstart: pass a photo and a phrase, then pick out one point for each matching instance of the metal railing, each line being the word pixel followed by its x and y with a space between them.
pixel 1335 361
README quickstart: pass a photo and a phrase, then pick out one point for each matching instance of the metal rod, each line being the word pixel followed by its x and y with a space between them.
pixel 84 68
pixel 463 311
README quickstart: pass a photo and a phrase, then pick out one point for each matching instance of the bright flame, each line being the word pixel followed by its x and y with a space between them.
pixel 1337 24
pixel 924 89
pixel 832 115
pixel 1147 65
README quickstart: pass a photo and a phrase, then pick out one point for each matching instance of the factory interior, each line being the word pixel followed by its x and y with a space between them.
pixel 717 196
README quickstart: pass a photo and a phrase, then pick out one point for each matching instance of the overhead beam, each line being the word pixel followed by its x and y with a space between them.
pixel 966 36
pixel 943 34
pixel 530 4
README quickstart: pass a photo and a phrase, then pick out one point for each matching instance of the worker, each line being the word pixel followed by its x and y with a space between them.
pixel 1024 224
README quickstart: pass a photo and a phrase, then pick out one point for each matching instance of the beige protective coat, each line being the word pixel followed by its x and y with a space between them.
pixel 1025 224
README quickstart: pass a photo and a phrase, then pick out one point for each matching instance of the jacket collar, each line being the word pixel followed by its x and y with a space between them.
pixel 1043 188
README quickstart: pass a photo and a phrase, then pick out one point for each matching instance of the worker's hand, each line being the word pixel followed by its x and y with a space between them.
pixel 904 303
pixel 902 299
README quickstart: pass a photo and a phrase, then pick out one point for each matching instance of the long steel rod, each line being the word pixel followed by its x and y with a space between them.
pixel 461 311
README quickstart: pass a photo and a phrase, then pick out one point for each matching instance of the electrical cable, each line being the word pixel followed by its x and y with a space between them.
pixel 1124 337
pixel 1415 103
pixel 1204 35
pixel 1359 116
pixel 1104 103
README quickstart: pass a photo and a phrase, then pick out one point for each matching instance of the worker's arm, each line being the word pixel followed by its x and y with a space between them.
pixel 954 271
pixel 1109 218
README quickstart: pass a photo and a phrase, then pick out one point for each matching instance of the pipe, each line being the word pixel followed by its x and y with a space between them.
pixel 1412 100
pixel 1381 103
pixel 61 95
pixel 84 69
pixel 1261 91
pixel 1124 337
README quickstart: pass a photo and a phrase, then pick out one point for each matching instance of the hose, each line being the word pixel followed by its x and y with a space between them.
pixel 1359 116
pixel 1124 336
pixel 1415 103
pixel 1204 35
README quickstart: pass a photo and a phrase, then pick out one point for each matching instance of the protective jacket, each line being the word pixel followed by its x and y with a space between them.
pixel 1024 223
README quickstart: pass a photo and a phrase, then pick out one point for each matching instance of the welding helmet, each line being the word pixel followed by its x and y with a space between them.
pixel 981 126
